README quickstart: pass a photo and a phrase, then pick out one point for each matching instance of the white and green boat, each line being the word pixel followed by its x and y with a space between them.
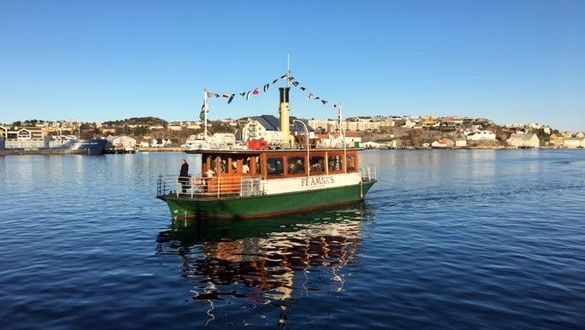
pixel 265 183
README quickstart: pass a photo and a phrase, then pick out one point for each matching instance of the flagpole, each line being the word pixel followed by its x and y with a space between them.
pixel 342 131
pixel 288 70
pixel 205 113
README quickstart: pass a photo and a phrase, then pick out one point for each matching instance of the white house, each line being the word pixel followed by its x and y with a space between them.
pixel 483 135
pixel 461 143
pixel 524 141
pixel 336 140
pixel 267 128
pixel 122 142
pixel 574 143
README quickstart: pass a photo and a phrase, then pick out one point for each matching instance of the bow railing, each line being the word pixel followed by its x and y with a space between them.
pixel 209 187
pixel 368 173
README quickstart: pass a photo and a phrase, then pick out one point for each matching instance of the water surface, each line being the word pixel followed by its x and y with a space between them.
pixel 445 239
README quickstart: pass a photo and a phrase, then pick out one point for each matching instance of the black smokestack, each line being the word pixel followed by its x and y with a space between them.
pixel 284 94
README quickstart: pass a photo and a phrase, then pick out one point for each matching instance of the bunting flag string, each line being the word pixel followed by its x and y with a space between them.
pixel 245 95
pixel 311 96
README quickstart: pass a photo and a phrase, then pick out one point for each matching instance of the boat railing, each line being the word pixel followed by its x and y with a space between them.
pixel 368 173
pixel 210 187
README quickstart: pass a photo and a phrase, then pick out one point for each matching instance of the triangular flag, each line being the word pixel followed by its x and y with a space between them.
pixel 226 96
pixel 202 114
pixel 324 102
pixel 282 77
pixel 243 93
pixel 266 87
pixel 302 88
pixel 295 83
pixel 310 96
pixel 247 95
pixel 274 81
pixel 256 92
pixel 231 98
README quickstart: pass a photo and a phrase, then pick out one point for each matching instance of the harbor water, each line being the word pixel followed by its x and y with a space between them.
pixel 479 239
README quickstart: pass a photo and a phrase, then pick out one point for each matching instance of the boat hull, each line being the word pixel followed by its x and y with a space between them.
pixel 266 205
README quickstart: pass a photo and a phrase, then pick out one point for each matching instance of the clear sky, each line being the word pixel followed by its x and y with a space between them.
pixel 511 61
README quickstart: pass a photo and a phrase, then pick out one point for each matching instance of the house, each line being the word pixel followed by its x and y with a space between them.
pixel 374 145
pixel 122 142
pixel 461 143
pixel 482 135
pixel 556 140
pixel 524 141
pixel 267 128
pixel 335 140
pixel 574 143
pixel 159 143
pixel 443 143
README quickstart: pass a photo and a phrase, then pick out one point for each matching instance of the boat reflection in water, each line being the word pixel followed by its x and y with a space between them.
pixel 264 263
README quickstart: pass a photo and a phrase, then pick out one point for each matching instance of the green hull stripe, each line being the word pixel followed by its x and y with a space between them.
pixel 267 205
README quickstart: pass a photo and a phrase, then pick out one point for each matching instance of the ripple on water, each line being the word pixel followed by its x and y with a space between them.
pixel 455 239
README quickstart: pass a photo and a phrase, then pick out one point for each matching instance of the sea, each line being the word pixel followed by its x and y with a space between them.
pixel 446 239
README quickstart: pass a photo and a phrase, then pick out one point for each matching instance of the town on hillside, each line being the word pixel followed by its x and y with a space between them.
pixel 379 132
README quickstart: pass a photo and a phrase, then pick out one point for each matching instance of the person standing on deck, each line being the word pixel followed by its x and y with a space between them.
pixel 184 176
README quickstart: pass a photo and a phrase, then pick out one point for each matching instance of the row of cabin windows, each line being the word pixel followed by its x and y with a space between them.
pixel 296 165
pixel 275 165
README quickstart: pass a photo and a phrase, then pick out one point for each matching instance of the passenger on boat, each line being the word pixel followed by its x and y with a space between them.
pixel 184 176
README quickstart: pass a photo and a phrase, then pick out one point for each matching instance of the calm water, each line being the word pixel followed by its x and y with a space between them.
pixel 446 239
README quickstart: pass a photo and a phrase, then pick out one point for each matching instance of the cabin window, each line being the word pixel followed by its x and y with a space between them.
pixel 274 166
pixel 351 163
pixel 335 163
pixel 296 165
pixel 317 164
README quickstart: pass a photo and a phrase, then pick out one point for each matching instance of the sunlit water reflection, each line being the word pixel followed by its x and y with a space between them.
pixel 446 239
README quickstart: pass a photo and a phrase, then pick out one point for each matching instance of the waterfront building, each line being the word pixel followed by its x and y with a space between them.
pixel 267 128
pixel 335 140
pixel 443 143
pixel 461 143
pixel 524 141
pixel 122 143
pixel 482 135
pixel 574 143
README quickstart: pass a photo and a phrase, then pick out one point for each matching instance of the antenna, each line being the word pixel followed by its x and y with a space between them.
pixel 288 69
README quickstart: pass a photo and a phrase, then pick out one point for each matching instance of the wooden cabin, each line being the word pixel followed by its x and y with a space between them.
pixel 224 170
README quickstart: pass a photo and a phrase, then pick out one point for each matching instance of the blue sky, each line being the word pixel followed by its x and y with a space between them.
pixel 511 61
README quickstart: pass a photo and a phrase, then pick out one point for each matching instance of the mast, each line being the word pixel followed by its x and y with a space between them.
pixel 342 131
pixel 205 113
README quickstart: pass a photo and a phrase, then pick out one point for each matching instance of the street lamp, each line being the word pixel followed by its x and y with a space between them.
pixel 308 146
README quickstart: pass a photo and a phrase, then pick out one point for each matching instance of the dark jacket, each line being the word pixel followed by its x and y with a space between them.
pixel 184 170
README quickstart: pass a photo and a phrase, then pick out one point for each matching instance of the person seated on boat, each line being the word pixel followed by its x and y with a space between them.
pixel 184 176
pixel 245 169
pixel 210 173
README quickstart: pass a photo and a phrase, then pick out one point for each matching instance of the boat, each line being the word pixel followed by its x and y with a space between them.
pixel 58 145
pixel 218 141
pixel 237 184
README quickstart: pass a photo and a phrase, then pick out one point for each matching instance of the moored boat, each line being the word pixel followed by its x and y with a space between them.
pixel 61 146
